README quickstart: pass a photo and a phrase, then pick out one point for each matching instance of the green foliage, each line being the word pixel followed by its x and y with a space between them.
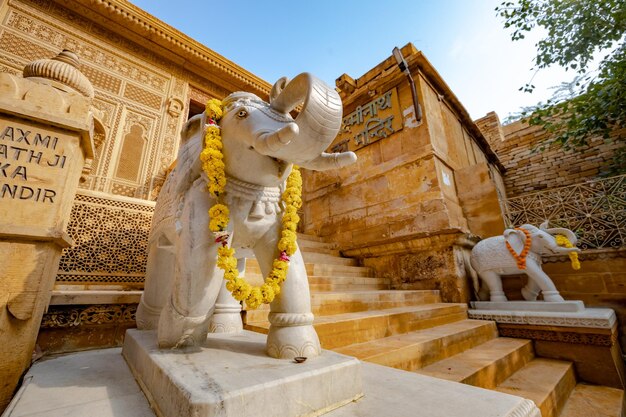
pixel 594 102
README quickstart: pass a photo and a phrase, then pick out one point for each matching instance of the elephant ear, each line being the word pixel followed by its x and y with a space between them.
pixel 516 239
pixel 278 87
pixel 192 127
pixel 571 236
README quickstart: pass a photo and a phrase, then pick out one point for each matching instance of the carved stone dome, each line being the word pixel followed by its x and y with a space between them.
pixel 63 71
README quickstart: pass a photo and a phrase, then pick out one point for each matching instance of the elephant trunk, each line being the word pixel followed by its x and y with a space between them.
pixel 318 122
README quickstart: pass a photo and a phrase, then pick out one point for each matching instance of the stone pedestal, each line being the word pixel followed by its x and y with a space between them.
pixel 45 142
pixel 231 375
pixel 563 330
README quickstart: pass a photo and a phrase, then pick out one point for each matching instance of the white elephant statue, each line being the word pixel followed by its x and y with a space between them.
pixel 492 259
pixel 184 294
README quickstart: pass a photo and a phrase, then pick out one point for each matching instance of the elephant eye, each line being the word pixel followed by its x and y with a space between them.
pixel 242 114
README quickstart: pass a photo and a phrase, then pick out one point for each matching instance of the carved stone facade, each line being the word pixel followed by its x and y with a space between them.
pixel 75 316
pixel 142 97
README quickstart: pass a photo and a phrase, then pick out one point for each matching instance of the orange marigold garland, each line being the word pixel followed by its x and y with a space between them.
pixel 521 258
pixel 213 165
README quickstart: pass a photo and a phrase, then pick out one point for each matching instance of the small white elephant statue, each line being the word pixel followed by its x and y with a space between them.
pixel 185 296
pixel 492 258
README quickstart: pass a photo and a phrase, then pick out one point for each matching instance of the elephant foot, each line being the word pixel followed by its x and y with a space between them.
pixel 147 317
pixel 176 331
pixel 552 296
pixel 226 319
pixel 497 296
pixel 483 294
pixel 529 294
pixel 292 335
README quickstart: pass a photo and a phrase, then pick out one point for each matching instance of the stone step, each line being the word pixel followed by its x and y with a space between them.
pixel 338 302
pixel 485 365
pixel 594 401
pixel 320 269
pixel 69 297
pixel 305 244
pixel 348 280
pixel 329 303
pixel 308 237
pixel 333 287
pixel 322 251
pixel 547 382
pixel 323 258
pixel 420 348
pixel 349 328
pixel 315 280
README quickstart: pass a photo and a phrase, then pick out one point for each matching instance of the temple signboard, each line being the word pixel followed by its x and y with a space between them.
pixel 368 123
pixel 36 164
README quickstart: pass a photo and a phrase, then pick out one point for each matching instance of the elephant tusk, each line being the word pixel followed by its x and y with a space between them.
pixel 330 161
pixel 269 142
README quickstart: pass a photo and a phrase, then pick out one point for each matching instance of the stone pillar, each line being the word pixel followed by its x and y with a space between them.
pixel 45 143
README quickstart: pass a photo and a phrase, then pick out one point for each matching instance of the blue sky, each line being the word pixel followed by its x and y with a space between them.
pixel 464 39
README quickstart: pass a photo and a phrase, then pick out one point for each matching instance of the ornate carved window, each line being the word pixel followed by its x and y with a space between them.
pixel 131 154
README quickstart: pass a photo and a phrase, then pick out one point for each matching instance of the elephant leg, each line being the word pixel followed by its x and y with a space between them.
pixel 227 315
pixel 197 279
pixel 291 332
pixel 494 282
pixel 543 281
pixel 159 277
pixel 531 290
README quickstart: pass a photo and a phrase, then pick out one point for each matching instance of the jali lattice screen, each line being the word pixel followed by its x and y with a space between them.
pixel 110 236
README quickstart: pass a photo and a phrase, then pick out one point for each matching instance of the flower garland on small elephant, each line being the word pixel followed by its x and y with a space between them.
pixel 562 240
pixel 521 258
pixel 213 165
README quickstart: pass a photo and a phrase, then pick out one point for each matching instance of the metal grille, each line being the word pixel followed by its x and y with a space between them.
pixel 594 210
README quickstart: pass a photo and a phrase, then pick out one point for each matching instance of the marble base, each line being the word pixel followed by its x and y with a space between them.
pixel 556 307
pixel 543 314
pixel 97 383
pixel 231 375
pixel 395 393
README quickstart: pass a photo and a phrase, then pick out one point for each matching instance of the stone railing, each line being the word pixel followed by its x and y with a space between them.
pixel 110 236
pixel 594 210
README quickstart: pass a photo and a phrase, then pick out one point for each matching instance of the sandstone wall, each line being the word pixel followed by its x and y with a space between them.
pixel 409 189
pixel 529 169
pixel 402 186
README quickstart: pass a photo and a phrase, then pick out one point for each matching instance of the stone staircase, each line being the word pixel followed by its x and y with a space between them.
pixel 358 315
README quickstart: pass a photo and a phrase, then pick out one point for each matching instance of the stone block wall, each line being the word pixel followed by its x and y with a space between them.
pixel 529 169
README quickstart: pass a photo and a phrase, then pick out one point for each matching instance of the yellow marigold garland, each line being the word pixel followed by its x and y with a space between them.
pixel 213 165
pixel 521 258
pixel 562 240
